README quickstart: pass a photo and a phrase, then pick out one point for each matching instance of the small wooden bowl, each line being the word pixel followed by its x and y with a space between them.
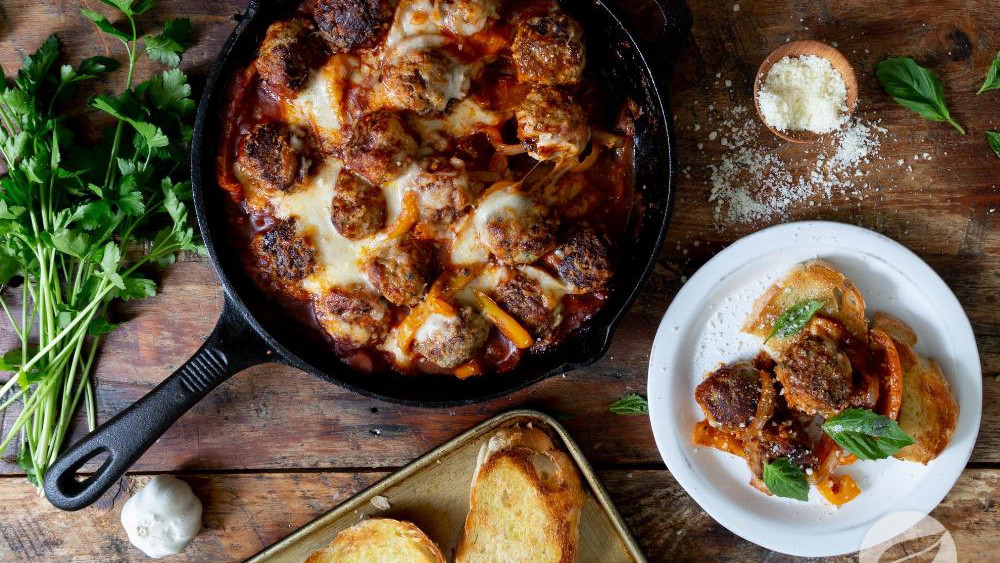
pixel 798 49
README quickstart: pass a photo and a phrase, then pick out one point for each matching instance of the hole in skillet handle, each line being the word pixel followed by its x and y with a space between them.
pixel 232 346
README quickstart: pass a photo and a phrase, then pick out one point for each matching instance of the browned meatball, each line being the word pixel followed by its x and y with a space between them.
pixel 349 24
pixel 548 49
pixel 423 81
pixel 730 396
pixel 784 436
pixel 354 316
pixel 380 147
pixel 449 341
pixel 816 375
pixel 283 257
pixel 443 187
pixel 523 298
pixel 583 261
pixel 267 157
pixel 401 270
pixel 515 227
pixel 358 208
pixel 287 54
pixel 551 125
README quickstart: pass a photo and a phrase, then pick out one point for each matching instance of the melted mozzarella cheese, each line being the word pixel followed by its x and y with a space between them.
pixel 466 248
pixel 464 119
pixel 485 282
pixel 321 104
pixel 552 288
pixel 337 258
pixel 413 17
pixel 506 200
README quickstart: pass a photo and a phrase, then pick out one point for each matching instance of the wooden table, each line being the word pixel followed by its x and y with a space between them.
pixel 273 448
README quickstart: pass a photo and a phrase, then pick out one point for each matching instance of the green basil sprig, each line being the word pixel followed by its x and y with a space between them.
pixel 630 404
pixel 992 81
pixel 785 479
pixel 793 320
pixel 916 88
pixel 866 434
pixel 993 138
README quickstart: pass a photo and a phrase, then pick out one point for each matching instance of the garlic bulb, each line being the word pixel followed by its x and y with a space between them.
pixel 163 517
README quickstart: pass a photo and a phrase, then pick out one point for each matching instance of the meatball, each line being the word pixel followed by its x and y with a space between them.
pixel 466 17
pixel 354 316
pixel 783 436
pixel 515 227
pixel 283 257
pixel 358 208
pixel 287 54
pixel 551 125
pixel 816 375
pixel 449 341
pixel 443 187
pixel 730 396
pixel 349 24
pixel 379 147
pixel 523 298
pixel 267 157
pixel 401 270
pixel 548 49
pixel 583 262
pixel 423 81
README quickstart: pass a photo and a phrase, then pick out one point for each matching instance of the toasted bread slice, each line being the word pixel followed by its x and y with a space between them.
pixel 929 411
pixel 379 540
pixel 817 280
pixel 525 503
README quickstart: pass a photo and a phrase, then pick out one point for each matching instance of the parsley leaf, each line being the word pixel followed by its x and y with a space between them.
pixel 104 24
pixel 630 404
pixel 168 45
pixel 866 434
pixel 793 320
pixel 785 479
pixel 992 81
pixel 915 87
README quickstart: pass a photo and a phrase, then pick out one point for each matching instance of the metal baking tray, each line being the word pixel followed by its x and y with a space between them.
pixel 433 493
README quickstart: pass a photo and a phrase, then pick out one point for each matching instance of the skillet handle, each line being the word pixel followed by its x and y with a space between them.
pixel 231 347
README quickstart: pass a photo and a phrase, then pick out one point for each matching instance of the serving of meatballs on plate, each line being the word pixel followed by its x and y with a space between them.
pixel 419 177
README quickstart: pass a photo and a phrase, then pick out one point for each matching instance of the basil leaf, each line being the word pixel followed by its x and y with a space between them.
pixel 630 404
pixel 992 81
pixel 993 138
pixel 915 87
pixel 795 319
pixel 866 434
pixel 785 479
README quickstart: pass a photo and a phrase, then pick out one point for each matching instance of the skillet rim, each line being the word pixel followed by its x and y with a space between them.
pixel 599 334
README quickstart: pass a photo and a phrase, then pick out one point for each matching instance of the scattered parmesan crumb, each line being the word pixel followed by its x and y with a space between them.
pixel 380 502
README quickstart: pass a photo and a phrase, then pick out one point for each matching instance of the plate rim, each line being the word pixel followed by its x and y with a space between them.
pixel 748 249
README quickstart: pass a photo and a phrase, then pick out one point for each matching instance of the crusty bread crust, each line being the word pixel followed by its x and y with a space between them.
pixel 552 480
pixel 379 540
pixel 815 279
pixel 929 412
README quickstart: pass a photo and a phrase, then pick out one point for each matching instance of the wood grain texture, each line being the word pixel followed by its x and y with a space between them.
pixel 245 513
pixel 277 419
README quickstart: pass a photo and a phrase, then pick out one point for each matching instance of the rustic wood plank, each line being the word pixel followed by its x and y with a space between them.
pixel 245 513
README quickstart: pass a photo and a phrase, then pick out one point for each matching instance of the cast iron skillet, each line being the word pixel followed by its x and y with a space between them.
pixel 252 331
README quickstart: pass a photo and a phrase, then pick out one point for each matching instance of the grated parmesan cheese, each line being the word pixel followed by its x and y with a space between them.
pixel 803 94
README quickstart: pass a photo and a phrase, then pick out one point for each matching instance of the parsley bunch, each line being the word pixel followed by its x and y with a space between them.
pixel 79 223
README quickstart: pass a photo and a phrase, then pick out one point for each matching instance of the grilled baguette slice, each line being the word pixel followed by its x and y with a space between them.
pixel 929 411
pixel 817 280
pixel 379 540
pixel 525 502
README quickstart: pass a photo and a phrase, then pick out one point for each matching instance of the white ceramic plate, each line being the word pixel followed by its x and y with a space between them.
pixel 701 329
